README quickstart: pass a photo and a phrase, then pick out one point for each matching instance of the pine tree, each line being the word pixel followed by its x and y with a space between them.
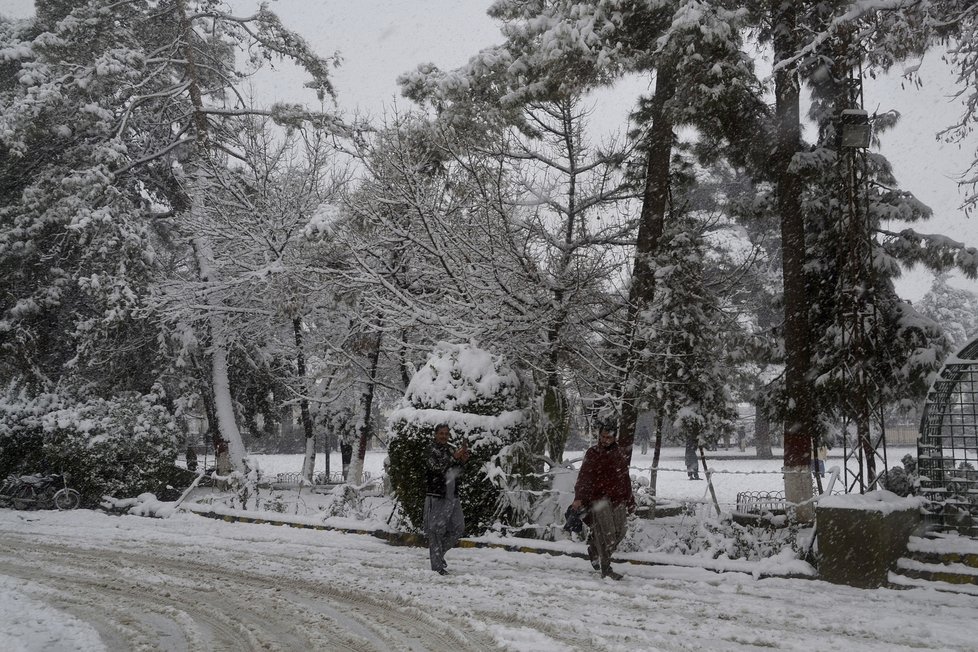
pixel 687 360
pixel 840 199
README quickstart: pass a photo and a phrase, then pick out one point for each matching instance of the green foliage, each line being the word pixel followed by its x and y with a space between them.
pixel 407 452
pixel 120 447
pixel 523 496
pixel 897 481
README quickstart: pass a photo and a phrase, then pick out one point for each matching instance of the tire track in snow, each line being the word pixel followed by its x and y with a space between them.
pixel 155 601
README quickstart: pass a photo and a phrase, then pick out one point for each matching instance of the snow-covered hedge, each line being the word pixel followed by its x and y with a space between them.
pixel 122 446
pixel 478 397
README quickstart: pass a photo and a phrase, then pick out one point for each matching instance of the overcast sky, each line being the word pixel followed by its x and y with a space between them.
pixel 380 39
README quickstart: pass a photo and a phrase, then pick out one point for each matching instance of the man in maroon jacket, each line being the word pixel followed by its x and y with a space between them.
pixel 605 490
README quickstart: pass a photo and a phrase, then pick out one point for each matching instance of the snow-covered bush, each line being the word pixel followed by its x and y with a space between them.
pixel 897 481
pixel 903 481
pixel 473 392
pixel 711 539
pixel 123 446
pixel 524 499
pixel 347 502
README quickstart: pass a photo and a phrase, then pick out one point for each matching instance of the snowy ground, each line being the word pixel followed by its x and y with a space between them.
pixel 85 580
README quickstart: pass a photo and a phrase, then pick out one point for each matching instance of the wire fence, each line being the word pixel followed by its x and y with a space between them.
pixel 657 469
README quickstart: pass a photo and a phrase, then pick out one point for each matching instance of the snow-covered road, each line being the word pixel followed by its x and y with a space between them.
pixel 88 581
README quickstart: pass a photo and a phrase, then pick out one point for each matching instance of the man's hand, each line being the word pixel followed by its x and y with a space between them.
pixel 576 505
pixel 461 454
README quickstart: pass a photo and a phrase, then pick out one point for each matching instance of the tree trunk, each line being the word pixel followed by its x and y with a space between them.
pixel 309 461
pixel 346 457
pixel 355 473
pixel 406 371
pixel 762 435
pixel 227 426
pixel 221 462
pixel 656 453
pixel 652 220
pixel 223 405
pixel 798 422
pixel 555 408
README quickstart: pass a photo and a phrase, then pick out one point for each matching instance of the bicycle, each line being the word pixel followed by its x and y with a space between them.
pixel 39 491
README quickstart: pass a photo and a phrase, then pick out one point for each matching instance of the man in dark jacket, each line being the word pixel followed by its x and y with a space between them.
pixel 443 521
pixel 604 489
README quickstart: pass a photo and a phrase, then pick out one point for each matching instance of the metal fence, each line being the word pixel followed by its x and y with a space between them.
pixel 761 502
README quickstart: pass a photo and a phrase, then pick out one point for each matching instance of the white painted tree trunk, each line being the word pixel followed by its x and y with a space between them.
pixel 223 406
pixel 354 474
pixel 309 462
pixel 798 490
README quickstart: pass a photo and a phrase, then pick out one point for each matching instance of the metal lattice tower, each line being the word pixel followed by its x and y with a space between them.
pixel 864 440
pixel 947 450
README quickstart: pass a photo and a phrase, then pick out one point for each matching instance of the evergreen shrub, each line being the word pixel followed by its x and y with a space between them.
pixel 478 397
pixel 121 447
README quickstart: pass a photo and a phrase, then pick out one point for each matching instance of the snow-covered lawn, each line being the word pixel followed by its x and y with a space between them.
pixel 86 580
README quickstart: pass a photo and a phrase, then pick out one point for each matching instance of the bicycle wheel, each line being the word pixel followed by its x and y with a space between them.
pixel 67 499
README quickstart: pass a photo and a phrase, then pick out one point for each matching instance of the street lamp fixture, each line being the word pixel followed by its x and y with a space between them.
pixel 855 128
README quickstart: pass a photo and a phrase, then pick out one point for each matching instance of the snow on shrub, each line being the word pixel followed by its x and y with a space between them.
pixel 122 446
pixel 473 392
pixel 709 538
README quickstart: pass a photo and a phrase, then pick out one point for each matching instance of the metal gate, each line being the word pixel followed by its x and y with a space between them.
pixel 948 446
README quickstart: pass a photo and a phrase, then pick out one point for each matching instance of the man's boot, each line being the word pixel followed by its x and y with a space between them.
pixel 607 572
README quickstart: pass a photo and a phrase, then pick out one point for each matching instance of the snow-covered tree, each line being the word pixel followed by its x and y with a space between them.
pixel 76 251
pixel 687 359
pixel 554 50
pixel 565 217
pixel 756 298
pixel 404 282
pixel 124 110
pixel 822 43
pixel 552 210
pixel 954 309
pixel 267 222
